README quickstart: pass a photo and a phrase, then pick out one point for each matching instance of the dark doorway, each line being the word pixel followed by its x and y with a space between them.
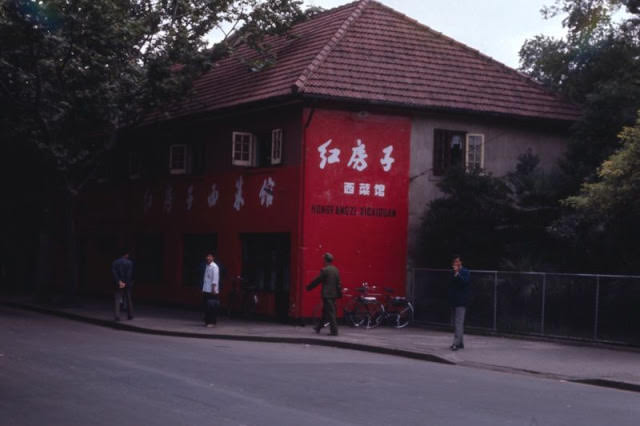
pixel 148 259
pixel 195 249
pixel 266 265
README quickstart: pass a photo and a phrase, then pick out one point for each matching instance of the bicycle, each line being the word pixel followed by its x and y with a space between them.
pixel 397 310
pixel 363 310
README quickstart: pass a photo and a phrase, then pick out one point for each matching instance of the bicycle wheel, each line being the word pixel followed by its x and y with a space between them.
pixel 376 315
pixel 359 315
pixel 404 316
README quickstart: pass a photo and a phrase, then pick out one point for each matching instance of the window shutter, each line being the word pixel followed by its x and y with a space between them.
pixel 276 146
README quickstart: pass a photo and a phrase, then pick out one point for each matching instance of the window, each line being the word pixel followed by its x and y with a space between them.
pixel 475 152
pixel 243 149
pixel 178 159
pixel 261 150
pixel 448 150
pixel 276 146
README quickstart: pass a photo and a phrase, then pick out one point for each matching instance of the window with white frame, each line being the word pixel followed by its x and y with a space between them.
pixel 243 153
pixel 178 159
pixel 474 151
pixel 276 146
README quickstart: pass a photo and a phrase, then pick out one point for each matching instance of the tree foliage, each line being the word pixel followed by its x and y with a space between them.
pixel 495 222
pixel 604 215
pixel 73 72
pixel 595 65
pixel 469 219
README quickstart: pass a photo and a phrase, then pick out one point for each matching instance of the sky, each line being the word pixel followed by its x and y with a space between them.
pixel 497 28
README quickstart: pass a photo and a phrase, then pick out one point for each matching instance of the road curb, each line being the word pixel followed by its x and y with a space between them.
pixel 235 337
pixel 611 384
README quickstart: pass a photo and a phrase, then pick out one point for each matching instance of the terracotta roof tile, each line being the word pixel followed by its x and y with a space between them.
pixel 365 51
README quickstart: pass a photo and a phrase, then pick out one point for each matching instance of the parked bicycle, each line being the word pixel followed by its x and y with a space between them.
pixel 396 311
pixel 364 309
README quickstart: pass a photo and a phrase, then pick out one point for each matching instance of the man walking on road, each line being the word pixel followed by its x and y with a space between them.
pixel 459 291
pixel 122 270
pixel 210 291
pixel 331 290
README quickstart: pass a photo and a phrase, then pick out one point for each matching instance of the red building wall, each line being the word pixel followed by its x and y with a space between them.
pixel 188 205
pixel 364 224
pixel 356 210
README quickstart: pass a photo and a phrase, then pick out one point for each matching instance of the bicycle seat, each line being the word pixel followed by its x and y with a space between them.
pixel 369 299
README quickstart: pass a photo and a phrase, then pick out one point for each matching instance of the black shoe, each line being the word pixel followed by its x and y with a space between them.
pixel 461 346
pixel 116 319
pixel 317 329
pixel 454 347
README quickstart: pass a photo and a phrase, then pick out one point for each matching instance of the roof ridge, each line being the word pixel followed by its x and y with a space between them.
pixel 526 78
pixel 298 85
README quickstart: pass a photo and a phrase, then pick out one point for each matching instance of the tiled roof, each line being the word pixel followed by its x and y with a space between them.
pixel 365 51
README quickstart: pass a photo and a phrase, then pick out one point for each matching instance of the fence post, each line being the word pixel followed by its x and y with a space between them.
pixel 544 299
pixel 495 300
pixel 597 309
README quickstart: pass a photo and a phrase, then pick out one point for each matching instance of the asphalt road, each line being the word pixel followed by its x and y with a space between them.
pixel 59 372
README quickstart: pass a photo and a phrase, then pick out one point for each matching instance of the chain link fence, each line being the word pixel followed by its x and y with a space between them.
pixel 602 308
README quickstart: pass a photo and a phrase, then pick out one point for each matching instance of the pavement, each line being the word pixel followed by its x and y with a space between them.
pixel 608 366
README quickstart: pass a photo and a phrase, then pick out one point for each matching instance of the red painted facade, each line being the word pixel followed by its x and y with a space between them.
pixel 309 199
pixel 365 230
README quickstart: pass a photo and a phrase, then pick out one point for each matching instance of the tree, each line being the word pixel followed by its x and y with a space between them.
pixel 606 211
pixel 594 65
pixel 495 222
pixel 469 219
pixel 75 72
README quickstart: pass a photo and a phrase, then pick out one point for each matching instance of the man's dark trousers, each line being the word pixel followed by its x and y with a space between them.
pixel 329 314
pixel 211 303
pixel 118 298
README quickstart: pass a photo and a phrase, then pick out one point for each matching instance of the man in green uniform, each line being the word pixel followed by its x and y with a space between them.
pixel 331 290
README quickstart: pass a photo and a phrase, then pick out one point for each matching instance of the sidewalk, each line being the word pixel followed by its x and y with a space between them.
pixel 610 367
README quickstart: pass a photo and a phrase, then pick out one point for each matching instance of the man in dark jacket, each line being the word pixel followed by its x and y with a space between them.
pixel 331 290
pixel 122 270
pixel 459 292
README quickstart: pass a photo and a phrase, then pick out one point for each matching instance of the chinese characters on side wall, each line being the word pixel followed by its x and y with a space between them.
pixel 358 162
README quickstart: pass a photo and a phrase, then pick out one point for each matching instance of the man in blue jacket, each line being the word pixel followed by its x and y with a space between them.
pixel 122 270
pixel 459 292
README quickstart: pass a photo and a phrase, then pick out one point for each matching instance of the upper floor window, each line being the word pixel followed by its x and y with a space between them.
pixel 453 148
pixel 276 146
pixel 262 150
pixel 448 150
pixel 243 153
pixel 475 152
pixel 179 159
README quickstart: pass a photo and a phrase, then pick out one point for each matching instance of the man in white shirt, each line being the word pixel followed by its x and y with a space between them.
pixel 210 291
